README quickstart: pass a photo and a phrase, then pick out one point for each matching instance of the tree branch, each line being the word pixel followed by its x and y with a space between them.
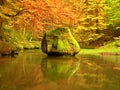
pixel 18 13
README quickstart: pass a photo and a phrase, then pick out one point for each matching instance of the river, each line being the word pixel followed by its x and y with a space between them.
pixel 31 70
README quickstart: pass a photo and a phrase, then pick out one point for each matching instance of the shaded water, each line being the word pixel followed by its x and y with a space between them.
pixel 30 70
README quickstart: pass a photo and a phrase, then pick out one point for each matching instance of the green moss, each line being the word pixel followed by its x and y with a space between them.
pixel 61 41
pixel 74 42
pixel 98 51
pixel 62 45
pixel 57 31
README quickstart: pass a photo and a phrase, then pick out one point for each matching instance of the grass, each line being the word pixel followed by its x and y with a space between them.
pixel 96 51
pixel 109 48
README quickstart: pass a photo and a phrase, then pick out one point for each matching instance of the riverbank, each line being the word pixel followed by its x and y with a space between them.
pixel 112 48
pixel 109 51
pixel 8 48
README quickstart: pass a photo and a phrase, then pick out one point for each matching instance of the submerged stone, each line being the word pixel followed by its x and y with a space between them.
pixel 59 42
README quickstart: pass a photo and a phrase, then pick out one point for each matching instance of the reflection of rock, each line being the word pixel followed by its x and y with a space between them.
pixel 55 68
pixel 59 42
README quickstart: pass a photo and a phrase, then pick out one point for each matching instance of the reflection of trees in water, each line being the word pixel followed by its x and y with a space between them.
pixel 89 75
pixel 20 75
pixel 55 68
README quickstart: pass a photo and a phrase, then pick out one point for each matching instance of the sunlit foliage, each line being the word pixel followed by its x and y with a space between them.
pixel 113 13
pixel 93 17
pixel 37 16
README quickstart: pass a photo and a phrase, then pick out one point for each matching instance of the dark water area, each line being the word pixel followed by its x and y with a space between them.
pixel 31 70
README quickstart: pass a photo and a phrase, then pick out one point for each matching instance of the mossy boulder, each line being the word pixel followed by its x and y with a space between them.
pixel 59 42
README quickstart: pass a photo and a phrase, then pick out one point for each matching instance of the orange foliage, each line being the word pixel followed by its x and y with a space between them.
pixel 39 15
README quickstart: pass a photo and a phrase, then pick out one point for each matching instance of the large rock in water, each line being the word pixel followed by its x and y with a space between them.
pixel 59 42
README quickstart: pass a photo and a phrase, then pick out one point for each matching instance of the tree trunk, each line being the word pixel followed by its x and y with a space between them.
pixel 2 2
pixel 0 22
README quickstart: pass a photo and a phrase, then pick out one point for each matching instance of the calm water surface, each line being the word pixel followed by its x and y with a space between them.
pixel 31 70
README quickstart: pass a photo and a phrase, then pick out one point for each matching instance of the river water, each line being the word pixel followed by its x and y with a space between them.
pixel 31 70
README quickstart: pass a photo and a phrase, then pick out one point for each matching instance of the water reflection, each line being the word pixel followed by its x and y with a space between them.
pixel 100 72
pixel 55 68
pixel 31 71
pixel 90 75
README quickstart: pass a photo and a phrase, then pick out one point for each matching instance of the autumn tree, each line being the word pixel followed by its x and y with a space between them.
pixel 92 19
pixel 94 15
pixel 113 13
pixel 39 15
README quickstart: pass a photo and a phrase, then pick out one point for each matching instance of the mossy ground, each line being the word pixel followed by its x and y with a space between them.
pixel 110 48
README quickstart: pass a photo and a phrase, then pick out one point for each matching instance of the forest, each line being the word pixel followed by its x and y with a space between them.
pixel 59 44
pixel 93 23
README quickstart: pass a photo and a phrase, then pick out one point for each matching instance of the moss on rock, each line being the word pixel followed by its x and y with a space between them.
pixel 59 42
